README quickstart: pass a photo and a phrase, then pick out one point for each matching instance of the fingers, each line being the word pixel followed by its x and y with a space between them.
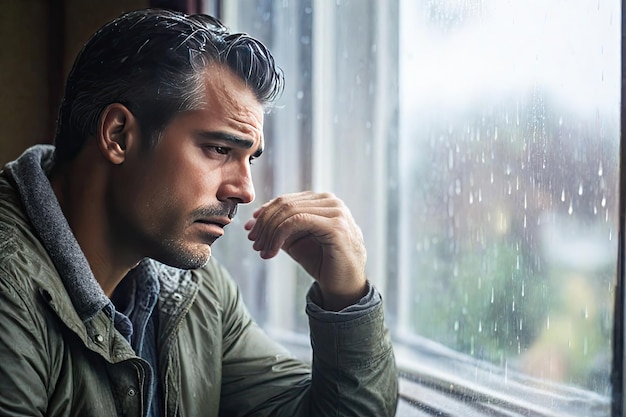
pixel 286 219
pixel 285 231
pixel 319 232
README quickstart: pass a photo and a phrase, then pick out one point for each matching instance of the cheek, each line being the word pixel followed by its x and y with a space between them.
pixel 200 185
pixel 181 194
pixel 148 194
pixel 165 190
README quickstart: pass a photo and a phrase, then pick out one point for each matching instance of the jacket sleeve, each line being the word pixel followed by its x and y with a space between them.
pixel 23 367
pixel 352 374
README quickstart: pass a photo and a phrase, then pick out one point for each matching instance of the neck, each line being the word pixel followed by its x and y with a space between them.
pixel 79 187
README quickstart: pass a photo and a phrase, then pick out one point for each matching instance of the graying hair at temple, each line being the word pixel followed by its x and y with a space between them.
pixel 152 61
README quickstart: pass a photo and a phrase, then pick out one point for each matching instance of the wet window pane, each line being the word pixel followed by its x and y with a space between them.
pixel 476 143
pixel 508 176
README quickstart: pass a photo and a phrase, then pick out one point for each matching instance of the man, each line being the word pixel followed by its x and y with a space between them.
pixel 109 304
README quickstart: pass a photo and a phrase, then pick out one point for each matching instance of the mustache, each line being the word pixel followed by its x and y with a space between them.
pixel 225 209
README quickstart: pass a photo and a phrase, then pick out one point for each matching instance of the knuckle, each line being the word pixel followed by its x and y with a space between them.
pixel 281 200
pixel 290 206
pixel 290 222
pixel 342 224
pixel 300 217
pixel 337 202
pixel 331 198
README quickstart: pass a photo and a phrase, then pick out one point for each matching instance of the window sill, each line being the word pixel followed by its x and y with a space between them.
pixel 437 381
pixel 441 382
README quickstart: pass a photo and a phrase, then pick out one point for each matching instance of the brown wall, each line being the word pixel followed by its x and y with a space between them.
pixel 38 42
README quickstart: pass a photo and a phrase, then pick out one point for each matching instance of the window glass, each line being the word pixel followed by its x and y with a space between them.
pixel 476 143
pixel 508 182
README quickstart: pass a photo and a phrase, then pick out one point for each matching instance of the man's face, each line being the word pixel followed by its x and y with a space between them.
pixel 172 202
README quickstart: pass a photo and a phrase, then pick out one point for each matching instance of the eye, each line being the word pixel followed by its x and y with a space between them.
pixel 251 160
pixel 215 149
pixel 221 150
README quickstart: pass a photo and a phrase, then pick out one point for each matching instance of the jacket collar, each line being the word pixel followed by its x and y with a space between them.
pixel 30 175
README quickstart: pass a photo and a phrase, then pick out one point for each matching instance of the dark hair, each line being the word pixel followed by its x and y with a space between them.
pixel 152 62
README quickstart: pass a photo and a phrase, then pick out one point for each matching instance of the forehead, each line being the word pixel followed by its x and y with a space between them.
pixel 228 98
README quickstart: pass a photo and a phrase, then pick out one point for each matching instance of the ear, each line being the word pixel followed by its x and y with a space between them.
pixel 118 131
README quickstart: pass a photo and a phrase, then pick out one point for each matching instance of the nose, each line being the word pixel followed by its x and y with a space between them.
pixel 237 184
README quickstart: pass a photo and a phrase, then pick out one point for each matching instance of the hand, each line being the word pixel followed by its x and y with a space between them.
pixel 318 231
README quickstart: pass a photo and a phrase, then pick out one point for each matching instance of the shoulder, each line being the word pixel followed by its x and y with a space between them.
pixel 27 278
pixel 23 259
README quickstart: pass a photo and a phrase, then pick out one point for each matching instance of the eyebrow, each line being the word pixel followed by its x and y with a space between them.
pixel 233 140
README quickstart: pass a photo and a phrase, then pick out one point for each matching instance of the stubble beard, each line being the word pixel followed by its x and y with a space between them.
pixel 179 256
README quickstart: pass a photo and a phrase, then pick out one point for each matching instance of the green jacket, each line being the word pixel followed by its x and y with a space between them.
pixel 214 360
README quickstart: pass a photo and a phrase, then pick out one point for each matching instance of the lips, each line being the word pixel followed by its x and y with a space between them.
pixel 218 221
pixel 207 231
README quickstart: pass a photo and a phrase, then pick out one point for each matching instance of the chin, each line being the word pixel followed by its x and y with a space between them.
pixel 186 258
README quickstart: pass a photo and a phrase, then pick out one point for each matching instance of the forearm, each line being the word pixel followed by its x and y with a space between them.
pixel 354 372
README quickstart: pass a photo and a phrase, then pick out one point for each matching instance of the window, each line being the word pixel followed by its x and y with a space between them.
pixel 477 145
